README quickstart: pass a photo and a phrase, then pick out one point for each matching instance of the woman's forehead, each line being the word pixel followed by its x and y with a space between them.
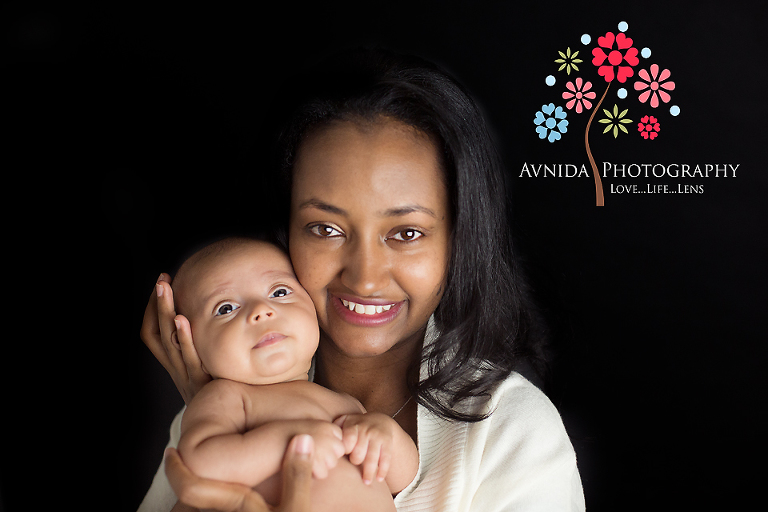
pixel 387 159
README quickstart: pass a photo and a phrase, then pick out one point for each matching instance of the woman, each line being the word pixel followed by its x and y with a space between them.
pixel 398 230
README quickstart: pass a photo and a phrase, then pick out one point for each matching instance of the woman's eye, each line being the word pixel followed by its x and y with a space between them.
pixel 225 309
pixel 324 230
pixel 280 292
pixel 408 235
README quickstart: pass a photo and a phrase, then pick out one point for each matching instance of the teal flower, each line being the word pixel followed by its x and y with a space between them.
pixel 615 121
pixel 551 122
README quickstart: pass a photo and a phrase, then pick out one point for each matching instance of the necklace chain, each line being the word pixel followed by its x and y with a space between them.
pixel 402 407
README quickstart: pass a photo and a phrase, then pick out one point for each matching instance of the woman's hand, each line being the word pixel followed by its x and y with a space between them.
pixel 213 494
pixel 169 337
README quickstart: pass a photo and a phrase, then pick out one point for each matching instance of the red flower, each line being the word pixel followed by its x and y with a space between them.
pixel 648 127
pixel 616 59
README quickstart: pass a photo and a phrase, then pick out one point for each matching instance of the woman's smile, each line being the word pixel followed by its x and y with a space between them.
pixel 366 313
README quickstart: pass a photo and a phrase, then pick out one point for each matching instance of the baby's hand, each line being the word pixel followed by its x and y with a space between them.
pixel 329 447
pixel 368 440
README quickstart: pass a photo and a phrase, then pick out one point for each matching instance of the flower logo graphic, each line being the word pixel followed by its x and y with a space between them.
pixel 579 95
pixel 614 57
pixel 615 120
pixel 648 127
pixel 551 120
pixel 654 86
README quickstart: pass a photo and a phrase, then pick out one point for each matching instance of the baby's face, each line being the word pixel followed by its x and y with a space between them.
pixel 251 320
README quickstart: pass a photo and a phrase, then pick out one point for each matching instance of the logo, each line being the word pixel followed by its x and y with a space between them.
pixel 636 99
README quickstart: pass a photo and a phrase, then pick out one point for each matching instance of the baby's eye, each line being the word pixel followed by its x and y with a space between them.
pixel 408 235
pixel 324 230
pixel 226 309
pixel 280 292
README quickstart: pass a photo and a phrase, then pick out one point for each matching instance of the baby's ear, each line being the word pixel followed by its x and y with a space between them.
pixel 175 340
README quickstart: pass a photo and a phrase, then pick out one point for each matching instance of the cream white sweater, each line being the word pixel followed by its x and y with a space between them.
pixel 520 458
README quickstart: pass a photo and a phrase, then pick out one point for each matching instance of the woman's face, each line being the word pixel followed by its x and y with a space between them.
pixel 370 233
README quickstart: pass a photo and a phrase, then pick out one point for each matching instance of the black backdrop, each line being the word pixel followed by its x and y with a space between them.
pixel 657 303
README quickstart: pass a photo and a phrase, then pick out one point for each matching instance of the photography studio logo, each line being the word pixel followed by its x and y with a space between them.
pixel 635 100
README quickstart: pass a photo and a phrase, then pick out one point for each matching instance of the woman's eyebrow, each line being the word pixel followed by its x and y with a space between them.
pixel 320 205
pixel 397 211
pixel 405 210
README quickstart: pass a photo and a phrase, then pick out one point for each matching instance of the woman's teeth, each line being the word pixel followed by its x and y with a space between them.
pixel 365 309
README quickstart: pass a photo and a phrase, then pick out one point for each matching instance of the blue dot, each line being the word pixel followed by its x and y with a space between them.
pixel 674 110
pixel 645 52
pixel 623 26
pixel 550 80
pixel 550 123
pixel 586 39
pixel 621 93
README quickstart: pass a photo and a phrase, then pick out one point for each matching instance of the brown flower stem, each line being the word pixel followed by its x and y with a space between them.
pixel 598 184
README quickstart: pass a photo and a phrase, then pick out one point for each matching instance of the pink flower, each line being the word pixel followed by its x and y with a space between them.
pixel 579 96
pixel 616 59
pixel 655 87
pixel 648 127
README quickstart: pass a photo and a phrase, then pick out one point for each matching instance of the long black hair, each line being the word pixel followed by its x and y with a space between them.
pixel 484 320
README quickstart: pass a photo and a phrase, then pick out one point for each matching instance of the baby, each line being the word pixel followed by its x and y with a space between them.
pixel 255 331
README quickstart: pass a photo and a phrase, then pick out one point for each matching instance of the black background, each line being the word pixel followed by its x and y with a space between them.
pixel 141 130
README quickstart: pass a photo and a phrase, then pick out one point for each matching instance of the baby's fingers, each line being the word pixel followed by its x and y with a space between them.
pixel 359 450
pixel 384 463
pixel 371 462
pixel 350 434
pixel 323 463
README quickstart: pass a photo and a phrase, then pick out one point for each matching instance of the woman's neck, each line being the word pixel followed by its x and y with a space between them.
pixel 379 382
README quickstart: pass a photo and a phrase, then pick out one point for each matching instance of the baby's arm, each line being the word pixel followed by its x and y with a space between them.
pixel 384 449
pixel 216 444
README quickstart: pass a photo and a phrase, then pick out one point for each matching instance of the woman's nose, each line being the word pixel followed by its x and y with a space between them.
pixel 260 312
pixel 365 269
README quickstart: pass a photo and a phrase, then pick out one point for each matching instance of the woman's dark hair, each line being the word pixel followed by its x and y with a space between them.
pixel 483 319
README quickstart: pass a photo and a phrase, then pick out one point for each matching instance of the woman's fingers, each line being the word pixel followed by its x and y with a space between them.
pixel 196 376
pixel 297 475
pixel 209 494
pixel 150 329
pixel 169 337
pixel 166 315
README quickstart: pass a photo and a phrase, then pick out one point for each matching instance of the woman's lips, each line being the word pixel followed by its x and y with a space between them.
pixel 369 313
pixel 269 339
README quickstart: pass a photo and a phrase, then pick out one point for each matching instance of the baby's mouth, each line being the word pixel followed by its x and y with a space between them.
pixel 269 339
pixel 365 309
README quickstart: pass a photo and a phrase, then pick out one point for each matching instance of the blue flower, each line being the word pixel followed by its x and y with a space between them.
pixel 547 121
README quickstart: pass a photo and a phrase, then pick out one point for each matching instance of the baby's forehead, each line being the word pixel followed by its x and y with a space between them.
pixel 234 265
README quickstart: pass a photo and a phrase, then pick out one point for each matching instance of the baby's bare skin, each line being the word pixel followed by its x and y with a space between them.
pixel 238 433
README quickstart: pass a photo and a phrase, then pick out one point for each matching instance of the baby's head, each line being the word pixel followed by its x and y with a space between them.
pixel 251 320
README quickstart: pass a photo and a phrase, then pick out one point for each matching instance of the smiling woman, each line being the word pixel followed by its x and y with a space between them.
pixel 392 138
